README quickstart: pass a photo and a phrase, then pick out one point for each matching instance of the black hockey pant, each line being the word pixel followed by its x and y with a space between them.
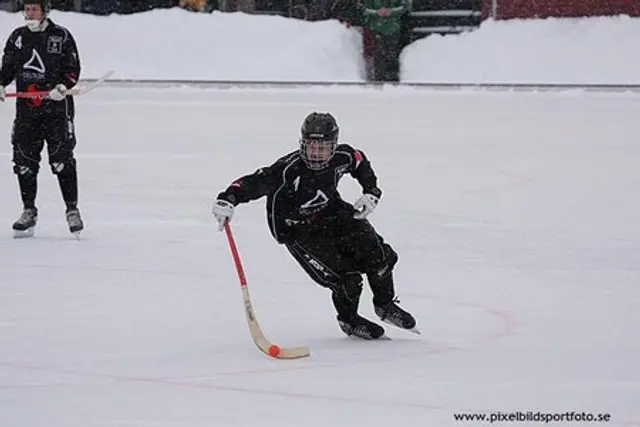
pixel 30 132
pixel 337 257
pixel 386 57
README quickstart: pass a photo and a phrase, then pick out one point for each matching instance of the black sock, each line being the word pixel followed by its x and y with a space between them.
pixel 28 184
pixel 68 181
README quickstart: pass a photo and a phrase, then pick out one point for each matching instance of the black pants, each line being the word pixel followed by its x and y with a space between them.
pixel 31 131
pixel 386 54
pixel 337 256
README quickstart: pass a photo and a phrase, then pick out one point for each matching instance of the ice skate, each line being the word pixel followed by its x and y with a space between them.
pixel 26 224
pixel 392 314
pixel 360 327
pixel 75 221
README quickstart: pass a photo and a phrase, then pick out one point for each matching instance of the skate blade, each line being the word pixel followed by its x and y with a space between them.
pixel 383 337
pixel 21 234
pixel 413 330
pixel 76 234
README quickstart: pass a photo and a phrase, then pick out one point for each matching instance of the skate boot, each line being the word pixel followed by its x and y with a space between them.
pixel 75 221
pixel 392 314
pixel 360 327
pixel 25 225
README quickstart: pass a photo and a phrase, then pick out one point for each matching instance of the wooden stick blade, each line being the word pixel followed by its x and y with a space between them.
pixel 285 352
pixel 262 342
pixel 294 352
pixel 82 89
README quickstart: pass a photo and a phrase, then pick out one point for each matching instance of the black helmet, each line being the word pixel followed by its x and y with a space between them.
pixel 44 4
pixel 318 140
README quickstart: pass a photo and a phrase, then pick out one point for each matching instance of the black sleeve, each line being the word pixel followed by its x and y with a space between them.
pixel 254 186
pixel 10 66
pixel 362 171
pixel 70 65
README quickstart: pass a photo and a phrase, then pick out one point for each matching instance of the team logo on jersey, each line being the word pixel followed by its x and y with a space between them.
pixel 35 63
pixel 316 204
pixel 54 44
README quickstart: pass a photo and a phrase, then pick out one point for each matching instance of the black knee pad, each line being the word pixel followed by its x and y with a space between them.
pixel 22 170
pixel 63 167
pixel 388 262
pixel 381 278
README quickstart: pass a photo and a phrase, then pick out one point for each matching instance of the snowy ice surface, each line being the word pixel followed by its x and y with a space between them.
pixel 515 217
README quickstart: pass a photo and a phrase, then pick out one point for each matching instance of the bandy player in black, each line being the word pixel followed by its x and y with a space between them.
pixel 331 239
pixel 42 56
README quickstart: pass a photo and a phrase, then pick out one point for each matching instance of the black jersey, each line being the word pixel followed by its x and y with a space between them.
pixel 298 197
pixel 40 60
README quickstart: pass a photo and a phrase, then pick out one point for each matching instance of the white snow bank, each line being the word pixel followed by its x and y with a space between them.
pixel 600 50
pixel 176 44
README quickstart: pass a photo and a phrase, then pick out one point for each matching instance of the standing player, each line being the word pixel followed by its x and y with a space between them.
pixel 331 239
pixel 42 56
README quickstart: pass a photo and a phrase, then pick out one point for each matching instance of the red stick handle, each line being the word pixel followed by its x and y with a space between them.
pixel 36 94
pixel 235 254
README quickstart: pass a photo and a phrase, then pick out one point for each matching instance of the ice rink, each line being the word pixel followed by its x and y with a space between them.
pixel 516 217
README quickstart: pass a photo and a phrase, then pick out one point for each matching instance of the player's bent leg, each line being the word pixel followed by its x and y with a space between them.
pixel 346 298
pixel 372 256
pixel 385 303
pixel 346 287
pixel 377 259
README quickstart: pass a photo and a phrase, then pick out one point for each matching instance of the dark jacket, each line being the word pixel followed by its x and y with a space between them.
pixel 300 201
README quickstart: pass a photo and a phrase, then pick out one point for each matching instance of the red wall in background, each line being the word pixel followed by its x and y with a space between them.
pixel 509 9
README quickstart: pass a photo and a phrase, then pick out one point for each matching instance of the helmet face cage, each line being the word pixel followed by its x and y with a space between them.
pixel 319 140
pixel 317 152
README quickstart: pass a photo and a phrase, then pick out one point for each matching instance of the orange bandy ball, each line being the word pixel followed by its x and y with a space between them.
pixel 274 350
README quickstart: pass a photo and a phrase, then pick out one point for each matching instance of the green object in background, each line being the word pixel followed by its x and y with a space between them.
pixel 384 24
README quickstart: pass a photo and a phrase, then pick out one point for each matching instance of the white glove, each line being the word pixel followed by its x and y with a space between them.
pixel 366 204
pixel 3 94
pixel 58 93
pixel 223 211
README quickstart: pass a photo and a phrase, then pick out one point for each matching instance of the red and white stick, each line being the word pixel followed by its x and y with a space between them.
pixel 254 328
pixel 76 90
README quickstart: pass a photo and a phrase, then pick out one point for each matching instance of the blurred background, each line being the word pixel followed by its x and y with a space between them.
pixel 387 26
